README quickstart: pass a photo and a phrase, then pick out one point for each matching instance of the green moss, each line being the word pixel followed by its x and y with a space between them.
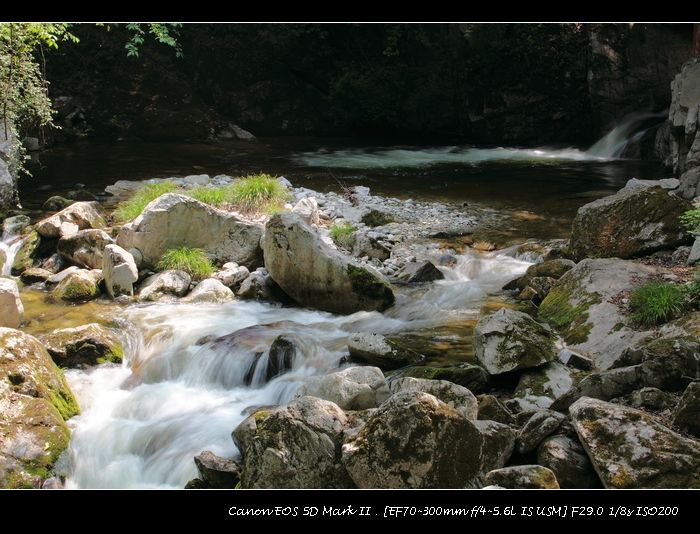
pixel 343 235
pixel 24 259
pixel 132 208
pixel 64 402
pixel 74 287
pixel 115 355
pixel 365 283
pixel 191 260
pixel 261 414
pixel 571 321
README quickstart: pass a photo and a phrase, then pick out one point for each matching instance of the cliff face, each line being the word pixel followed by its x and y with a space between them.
pixel 506 83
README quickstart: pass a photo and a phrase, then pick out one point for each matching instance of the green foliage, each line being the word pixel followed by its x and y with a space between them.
pixel 132 208
pixel 343 235
pixel 163 33
pixel 691 220
pixel 191 260
pixel 657 302
pixel 257 193
pixel 214 196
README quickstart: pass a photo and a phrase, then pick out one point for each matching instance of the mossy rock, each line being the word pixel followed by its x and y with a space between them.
pixel 89 344
pixel 374 218
pixel 472 377
pixel 27 253
pixel 77 286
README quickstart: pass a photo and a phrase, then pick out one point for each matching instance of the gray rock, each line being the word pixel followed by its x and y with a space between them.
pixel 575 359
pixel 85 248
pixel 210 290
pixel 420 271
pixel 11 309
pixel 35 275
pixel 687 413
pixel 630 223
pixel 548 269
pixel 509 340
pixel 355 388
pixel 690 183
pixel 375 349
pixel 523 477
pixel 457 397
pixel 630 449
pixel 285 352
pixel 77 216
pixel 54 263
pixel 498 444
pixel 173 283
pixel 604 385
pixel 217 472
pixel 371 246
pixel 569 463
pixel 472 377
pixel 174 220
pixel 665 183
pixel 259 285
pixel 538 427
pixel 8 191
pixel 694 255
pixel 233 276
pixel 492 409
pixel 307 209
pixel 119 270
pixel 76 285
pixel 539 388
pixel 293 446
pixel 15 225
pixel 414 441
pixel 315 275
pixel 650 399
pixel 88 344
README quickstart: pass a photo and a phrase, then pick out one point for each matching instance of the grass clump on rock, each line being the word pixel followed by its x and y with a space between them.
pixel 214 196
pixel 657 302
pixel 132 208
pixel 257 193
pixel 343 234
pixel 191 260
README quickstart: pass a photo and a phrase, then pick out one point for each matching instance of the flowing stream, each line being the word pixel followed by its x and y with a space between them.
pixel 142 423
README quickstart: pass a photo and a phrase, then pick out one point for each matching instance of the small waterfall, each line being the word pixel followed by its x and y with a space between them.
pixel 631 128
pixel 9 246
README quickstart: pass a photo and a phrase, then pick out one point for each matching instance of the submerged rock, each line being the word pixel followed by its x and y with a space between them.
pixel 509 340
pixel 315 275
pixel 35 402
pixel 355 388
pixel 172 283
pixel 419 271
pixel 630 449
pixel 174 220
pixel 375 349
pixel 11 309
pixel 77 216
pixel 523 477
pixel 85 248
pixel 119 270
pixel 88 344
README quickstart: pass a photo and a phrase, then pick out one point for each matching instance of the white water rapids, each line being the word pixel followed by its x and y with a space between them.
pixel 9 246
pixel 142 423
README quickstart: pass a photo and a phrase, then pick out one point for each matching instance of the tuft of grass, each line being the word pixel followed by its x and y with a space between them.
pixel 214 196
pixel 132 208
pixel 691 220
pixel 657 302
pixel 257 193
pixel 343 235
pixel 191 260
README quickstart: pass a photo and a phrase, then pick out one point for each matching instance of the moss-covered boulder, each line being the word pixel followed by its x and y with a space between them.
pixel 354 388
pixel 509 340
pixel 457 397
pixel 85 248
pixel 472 377
pixel 315 275
pixel 88 344
pixel 632 222
pixel 586 307
pixel 523 477
pixel 631 449
pixel 687 413
pixel 540 425
pixel 26 254
pixel 547 269
pixel 78 285
pixel 35 403
pixel 375 349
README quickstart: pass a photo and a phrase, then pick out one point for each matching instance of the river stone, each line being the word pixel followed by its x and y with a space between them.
pixel 604 385
pixel 233 276
pixel 419 271
pixel 172 283
pixel 687 413
pixel 80 284
pixel 632 222
pixel 457 397
pixel 85 248
pixel 13 226
pixel 548 269
pixel 56 203
pixel 498 444
pixel 584 307
pixel 375 349
pixel 293 446
pixel 11 309
pixel 492 409
pixel 35 402
pixel 217 472
pixel 77 216
pixel 284 353
pixel 54 263
pixel 630 449
pixel 569 463
pixel 210 290
pixel 572 358
pixel 355 388
pixel 173 220
pixel 88 344
pixel 650 399
pixel 119 270
pixel 26 253
pixel 538 427
pixel 539 388
pixel 522 477
pixel 307 209
pixel 315 275
pixel 35 275
pixel 509 340
pixel 414 441
pixel 472 377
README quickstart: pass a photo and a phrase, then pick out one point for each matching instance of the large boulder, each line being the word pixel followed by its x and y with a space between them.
pixel 174 220
pixel 509 340
pixel 415 441
pixel 119 270
pixel 568 461
pixel 35 403
pixel 630 449
pixel 687 413
pixel 632 222
pixel 85 248
pixel 293 446
pixel 457 397
pixel 167 283
pixel 315 275
pixel 584 306
pixel 78 216
pixel 78 285
pixel 355 388
pixel 88 344
pixel 375 349
pixel 11 309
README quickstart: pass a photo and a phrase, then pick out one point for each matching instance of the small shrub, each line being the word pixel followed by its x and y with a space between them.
pixel 691 220
pixel 657 302
pixel 132 208
pixel 214 196
pixel 343 235
pixel 191 260
pixel 257 193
